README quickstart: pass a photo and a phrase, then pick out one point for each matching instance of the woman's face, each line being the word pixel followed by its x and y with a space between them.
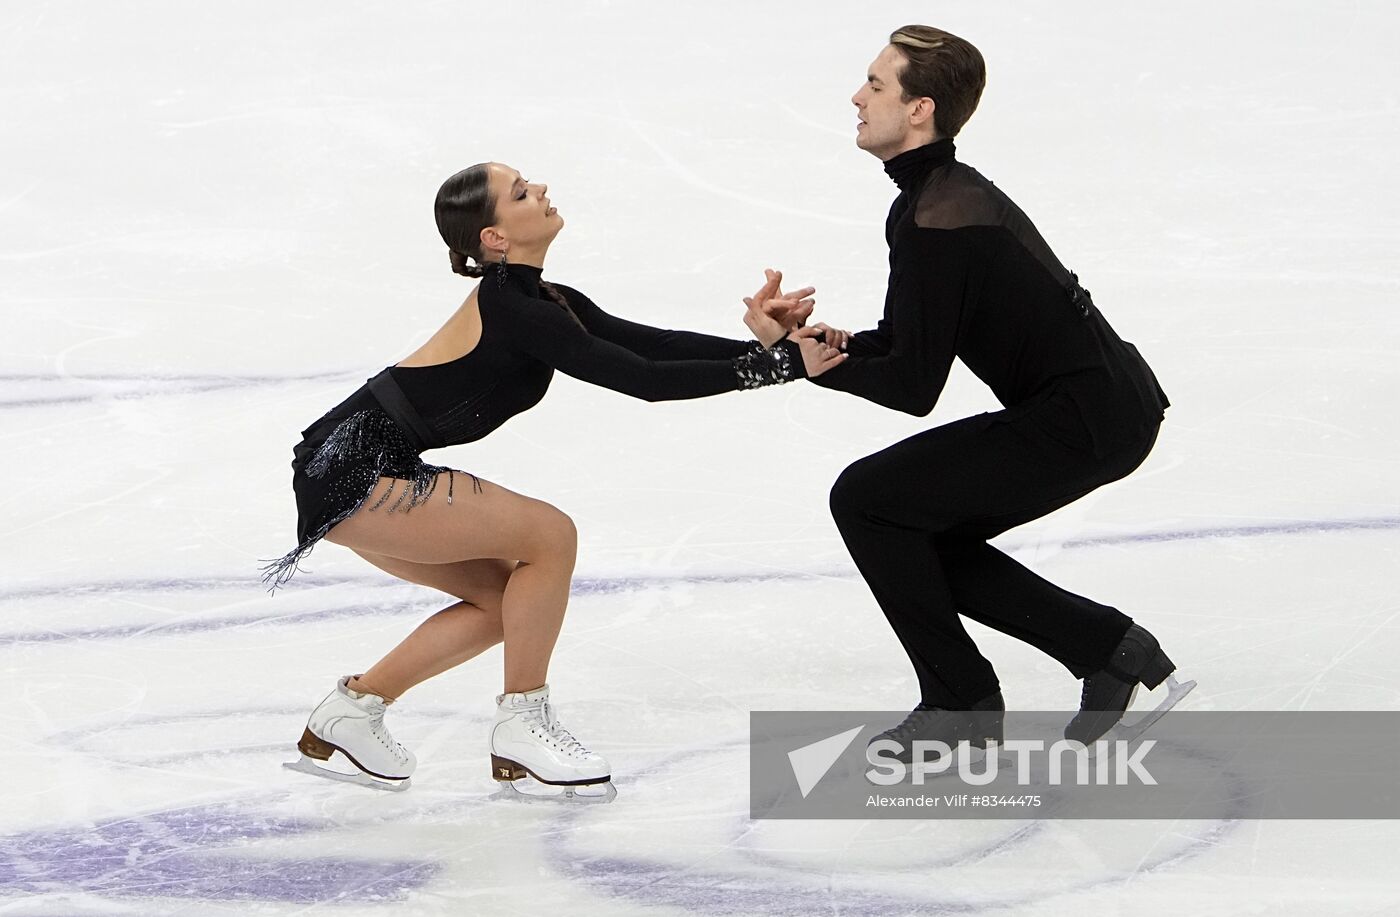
pixel 525 221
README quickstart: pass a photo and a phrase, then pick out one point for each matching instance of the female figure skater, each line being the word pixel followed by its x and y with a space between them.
pixel 507 558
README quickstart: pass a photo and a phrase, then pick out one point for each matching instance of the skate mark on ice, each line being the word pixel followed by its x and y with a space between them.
pixel 70 591
pixel 74 591
pixel 178 739
pixel 1301 527
pixel 758 882
pixel 203 852
pixel 33 390
pixel 223 623
pixel 1016 835
pixel 583 585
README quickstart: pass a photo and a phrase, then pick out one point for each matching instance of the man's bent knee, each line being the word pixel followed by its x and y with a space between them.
pixel 851 494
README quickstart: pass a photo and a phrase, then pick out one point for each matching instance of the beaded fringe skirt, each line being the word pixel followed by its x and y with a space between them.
pixel 336 481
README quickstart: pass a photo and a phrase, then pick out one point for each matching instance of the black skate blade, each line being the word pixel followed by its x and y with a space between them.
pixel 305 765
pixel 551 794
pixel 1131 732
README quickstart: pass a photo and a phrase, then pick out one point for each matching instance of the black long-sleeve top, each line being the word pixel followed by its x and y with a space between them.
pixel 970 277
pixel 526 336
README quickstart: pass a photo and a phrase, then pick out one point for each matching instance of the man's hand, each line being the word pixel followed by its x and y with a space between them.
pixel 816 356
pixel 773 313
pixel 766 329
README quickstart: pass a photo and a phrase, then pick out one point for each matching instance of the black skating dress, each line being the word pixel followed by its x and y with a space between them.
pixel 382 429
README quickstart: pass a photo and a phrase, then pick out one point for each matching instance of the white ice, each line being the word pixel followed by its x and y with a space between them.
pixel 215 221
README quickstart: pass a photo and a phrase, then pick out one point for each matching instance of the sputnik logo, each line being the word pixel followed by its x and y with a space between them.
pixel 810 763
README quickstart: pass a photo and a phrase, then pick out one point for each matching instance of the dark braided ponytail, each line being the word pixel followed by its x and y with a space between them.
pixel 460 265
pixel 550 290
pixel 464 208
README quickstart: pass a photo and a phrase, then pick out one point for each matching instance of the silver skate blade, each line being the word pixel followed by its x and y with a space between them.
pixel 1176 690
pixel 568 795
pixel 307 766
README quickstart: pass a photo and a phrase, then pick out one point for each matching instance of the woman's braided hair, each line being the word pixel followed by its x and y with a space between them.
pixel 464 207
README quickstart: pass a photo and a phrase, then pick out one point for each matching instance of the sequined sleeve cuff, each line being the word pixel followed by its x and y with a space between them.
pixel 773 366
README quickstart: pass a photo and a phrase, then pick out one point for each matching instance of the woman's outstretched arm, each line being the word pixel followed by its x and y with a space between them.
pixel 655 343
pixel 546 331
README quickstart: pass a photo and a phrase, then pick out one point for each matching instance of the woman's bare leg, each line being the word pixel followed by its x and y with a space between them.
pixel 450 637
pixel 494 523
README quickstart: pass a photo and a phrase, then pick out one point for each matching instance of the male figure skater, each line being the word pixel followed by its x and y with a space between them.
pixel 970 277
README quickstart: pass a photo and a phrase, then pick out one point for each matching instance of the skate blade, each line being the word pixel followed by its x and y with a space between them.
pixel 585 794
pixel 307 766
pixel 1176 690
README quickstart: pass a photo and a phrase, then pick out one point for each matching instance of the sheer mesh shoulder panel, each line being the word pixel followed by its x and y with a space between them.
pixel 959 196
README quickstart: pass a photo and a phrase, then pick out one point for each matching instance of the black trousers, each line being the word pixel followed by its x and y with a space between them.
pixel 916 518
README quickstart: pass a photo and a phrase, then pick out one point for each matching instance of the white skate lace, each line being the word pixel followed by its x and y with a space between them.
pixel 376 726
pixel 567 743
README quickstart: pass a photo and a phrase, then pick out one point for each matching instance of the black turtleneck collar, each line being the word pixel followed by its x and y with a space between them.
pixel 909 168
pixel 527 275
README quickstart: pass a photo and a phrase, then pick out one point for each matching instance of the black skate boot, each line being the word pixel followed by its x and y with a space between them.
pixel 1109 692
pixel 979 726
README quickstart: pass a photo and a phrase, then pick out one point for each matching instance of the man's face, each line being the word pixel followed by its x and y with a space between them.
pixel 884 129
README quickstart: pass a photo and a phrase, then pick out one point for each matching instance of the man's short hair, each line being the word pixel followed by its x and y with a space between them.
pixel 943 67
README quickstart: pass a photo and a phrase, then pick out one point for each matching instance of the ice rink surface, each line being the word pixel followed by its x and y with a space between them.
pixel 215 222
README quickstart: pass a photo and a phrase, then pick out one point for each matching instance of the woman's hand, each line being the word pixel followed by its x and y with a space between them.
pixel 772 313
pixel 816 356
pixel 833 336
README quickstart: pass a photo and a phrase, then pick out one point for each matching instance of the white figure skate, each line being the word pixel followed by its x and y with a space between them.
pixel 526 739
pixel 347 729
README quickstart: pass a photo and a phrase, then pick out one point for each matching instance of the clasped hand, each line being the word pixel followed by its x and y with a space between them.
pixel 773 315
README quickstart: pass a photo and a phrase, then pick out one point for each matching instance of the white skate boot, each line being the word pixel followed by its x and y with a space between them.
pixel 527 739
pixel 351 725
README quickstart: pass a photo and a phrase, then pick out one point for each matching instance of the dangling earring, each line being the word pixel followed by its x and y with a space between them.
pixel 501 271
